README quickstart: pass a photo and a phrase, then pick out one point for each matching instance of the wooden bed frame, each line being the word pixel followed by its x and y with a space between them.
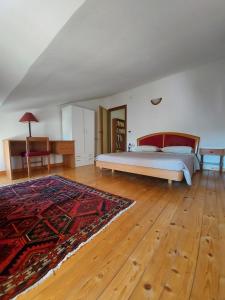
pixel 160 139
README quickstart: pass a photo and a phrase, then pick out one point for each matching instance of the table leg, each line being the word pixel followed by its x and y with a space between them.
pixel 221 163
pixel 201 163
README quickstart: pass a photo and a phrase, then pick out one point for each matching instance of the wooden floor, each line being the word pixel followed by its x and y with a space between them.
pixel 169 245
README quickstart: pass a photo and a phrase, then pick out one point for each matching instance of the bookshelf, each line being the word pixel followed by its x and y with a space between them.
pixel 118 135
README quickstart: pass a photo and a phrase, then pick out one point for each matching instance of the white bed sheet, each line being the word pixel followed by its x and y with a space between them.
pixel 187 163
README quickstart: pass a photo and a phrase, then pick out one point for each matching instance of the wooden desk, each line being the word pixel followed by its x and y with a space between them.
pixel 211 151
pixel 13 148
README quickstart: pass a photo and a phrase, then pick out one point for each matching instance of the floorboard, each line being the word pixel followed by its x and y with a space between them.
pixel 170 245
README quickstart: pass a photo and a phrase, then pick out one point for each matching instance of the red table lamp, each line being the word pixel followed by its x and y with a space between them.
pixel 28 118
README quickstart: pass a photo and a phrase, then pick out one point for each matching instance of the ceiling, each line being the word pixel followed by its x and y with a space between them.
pixel 26 30
pixel 98 48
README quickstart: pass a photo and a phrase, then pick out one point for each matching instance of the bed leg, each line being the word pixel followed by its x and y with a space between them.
pixel 170 182
pixel 113 171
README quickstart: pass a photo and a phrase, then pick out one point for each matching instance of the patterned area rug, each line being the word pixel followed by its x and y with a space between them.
pixel 45 220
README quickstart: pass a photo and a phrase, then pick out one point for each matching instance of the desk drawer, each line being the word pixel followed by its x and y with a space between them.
pixel 63 147
pixel 212 151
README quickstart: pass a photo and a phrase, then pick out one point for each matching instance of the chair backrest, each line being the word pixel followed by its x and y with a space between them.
pixel 37 144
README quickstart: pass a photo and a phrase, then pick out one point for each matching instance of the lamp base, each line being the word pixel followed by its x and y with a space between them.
pixel 29 129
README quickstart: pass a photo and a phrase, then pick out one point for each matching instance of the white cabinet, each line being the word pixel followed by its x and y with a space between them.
pixel 79 124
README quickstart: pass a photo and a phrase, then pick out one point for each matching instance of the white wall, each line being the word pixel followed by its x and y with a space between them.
pixel 193 102
pixel 94 103
pixel 49 125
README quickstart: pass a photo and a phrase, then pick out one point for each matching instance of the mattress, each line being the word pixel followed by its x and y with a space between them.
pixel 158 160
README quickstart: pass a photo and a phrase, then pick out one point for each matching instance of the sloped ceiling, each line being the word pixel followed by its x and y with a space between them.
pixel 110 46
pixel 26 29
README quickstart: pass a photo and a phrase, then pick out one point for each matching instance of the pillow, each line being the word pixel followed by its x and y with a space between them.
pixel 177 149
pixel 146 148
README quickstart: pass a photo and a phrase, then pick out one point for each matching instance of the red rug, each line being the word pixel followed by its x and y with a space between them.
pixel 42 221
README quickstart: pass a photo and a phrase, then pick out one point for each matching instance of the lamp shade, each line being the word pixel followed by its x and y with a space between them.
pixel 28 117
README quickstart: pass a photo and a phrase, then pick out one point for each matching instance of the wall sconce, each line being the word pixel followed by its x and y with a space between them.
pixel 156 101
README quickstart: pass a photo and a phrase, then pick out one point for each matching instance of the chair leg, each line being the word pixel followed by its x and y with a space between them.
pixel 48 163
pixel 42 164
pixel 28 166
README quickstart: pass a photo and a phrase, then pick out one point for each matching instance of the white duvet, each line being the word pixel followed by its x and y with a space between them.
pixel 187 163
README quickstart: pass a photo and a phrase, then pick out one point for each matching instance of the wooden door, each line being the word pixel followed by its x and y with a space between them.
pixel 103 131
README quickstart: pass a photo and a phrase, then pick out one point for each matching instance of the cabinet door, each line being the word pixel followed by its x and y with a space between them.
pixel 78 130
pixel 89 133
pixel 67 123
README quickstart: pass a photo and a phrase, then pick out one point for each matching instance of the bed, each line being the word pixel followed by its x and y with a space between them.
pixel 170 166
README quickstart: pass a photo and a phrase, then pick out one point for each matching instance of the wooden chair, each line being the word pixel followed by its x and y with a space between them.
pixel 36 147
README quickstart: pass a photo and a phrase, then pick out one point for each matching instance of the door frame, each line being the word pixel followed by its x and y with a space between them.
pixel 109 124
pixel 100 128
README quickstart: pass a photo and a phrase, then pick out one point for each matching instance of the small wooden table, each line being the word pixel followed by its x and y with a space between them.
pixel 212 151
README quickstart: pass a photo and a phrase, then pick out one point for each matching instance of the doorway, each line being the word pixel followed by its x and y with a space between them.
pixel 112 129
pixel 118 128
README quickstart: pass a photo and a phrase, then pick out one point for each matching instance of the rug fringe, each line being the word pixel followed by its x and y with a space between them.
pixel 52 272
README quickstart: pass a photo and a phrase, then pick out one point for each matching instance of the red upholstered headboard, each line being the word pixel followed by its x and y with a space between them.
pixel 164 139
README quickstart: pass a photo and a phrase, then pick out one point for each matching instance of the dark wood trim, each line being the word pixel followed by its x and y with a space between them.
pixel 118 107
